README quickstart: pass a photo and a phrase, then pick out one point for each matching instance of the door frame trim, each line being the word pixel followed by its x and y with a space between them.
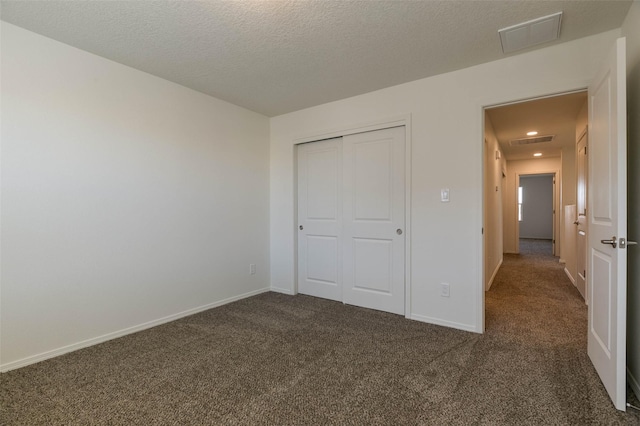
pixel 557 201
pixel 403 120
pixel 481 106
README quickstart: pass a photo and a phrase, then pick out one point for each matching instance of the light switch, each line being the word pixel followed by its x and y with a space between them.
pixel 444 290
pixel 444 195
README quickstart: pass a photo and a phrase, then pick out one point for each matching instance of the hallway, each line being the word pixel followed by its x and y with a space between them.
pixel 534 308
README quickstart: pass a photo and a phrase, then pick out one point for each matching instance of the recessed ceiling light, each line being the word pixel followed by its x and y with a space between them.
pixel 533 133
pixel 537 154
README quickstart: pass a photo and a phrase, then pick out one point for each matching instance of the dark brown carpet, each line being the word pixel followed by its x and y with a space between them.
pixel 277 360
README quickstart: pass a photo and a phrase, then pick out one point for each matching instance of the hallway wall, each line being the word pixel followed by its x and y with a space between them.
pixel 568 251
pixel 493 210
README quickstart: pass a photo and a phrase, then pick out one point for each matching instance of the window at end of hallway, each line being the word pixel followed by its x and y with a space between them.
pixel 520 204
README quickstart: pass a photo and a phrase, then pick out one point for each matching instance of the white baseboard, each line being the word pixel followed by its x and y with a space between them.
pixel 130 330
pixel 573 280
pixel 633 382
pixel 282 290
pixel 444 323
pixel 493 276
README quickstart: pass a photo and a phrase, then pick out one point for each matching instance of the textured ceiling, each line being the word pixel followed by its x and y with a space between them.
pixel 279 56
pixel 549 116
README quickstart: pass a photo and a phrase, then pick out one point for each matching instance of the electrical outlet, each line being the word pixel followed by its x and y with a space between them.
pixel 252 269
pixel 444 289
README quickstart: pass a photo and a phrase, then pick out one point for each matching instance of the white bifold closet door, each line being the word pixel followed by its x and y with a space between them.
pixel 351 213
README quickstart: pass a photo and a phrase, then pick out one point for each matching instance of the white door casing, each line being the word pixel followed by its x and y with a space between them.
pixel 581 214
pixel 606 215
pixel 374 219
pixel 556 202
pixel 320 219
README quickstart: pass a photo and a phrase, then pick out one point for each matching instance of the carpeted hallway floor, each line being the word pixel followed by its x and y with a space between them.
pixel 278 360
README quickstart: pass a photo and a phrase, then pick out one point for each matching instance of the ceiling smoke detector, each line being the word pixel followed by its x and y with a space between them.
pixel 529 141
pixel 530 33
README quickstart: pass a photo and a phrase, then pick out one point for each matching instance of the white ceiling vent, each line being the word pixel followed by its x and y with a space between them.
pixel 530 33
pixel 529 141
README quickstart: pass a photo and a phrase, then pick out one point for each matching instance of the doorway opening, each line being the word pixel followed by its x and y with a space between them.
pixel 606 207
pixel 528 142
pixel 536 204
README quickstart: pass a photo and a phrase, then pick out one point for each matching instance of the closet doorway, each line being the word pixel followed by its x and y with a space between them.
pixel 351 219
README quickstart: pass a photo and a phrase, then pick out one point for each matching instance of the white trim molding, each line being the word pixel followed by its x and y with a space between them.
pixel 450 324
pixel 493 276
pixel 283 290
pixel 573 280
pixel 130 330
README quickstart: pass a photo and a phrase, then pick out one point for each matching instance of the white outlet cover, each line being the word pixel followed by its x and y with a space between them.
pixel 444 195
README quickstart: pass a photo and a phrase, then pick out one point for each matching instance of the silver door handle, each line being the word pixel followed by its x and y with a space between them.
pixel 576 223
pixel 612 241
pixel 399 231
pixel 301 227
pixel 624 243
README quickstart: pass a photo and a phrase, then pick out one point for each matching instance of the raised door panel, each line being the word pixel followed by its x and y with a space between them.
pixel 319 219
pixel 373 200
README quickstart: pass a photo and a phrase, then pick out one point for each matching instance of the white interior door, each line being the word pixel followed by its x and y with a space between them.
pixel 320 219
pixel 373 206
pixel 581 219
pixel 606 214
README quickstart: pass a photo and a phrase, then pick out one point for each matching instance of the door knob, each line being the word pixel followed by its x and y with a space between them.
pixel 576 223
pixel 612 241
pixel 399 231
pixel 301 227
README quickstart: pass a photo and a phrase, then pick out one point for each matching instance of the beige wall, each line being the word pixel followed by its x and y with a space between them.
pixel 447 152
pixel 630 30
pixel 568 249
pixel 494 191
pixel 582 119
pixel 568 156
pixel 127 200
pixel 569 246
